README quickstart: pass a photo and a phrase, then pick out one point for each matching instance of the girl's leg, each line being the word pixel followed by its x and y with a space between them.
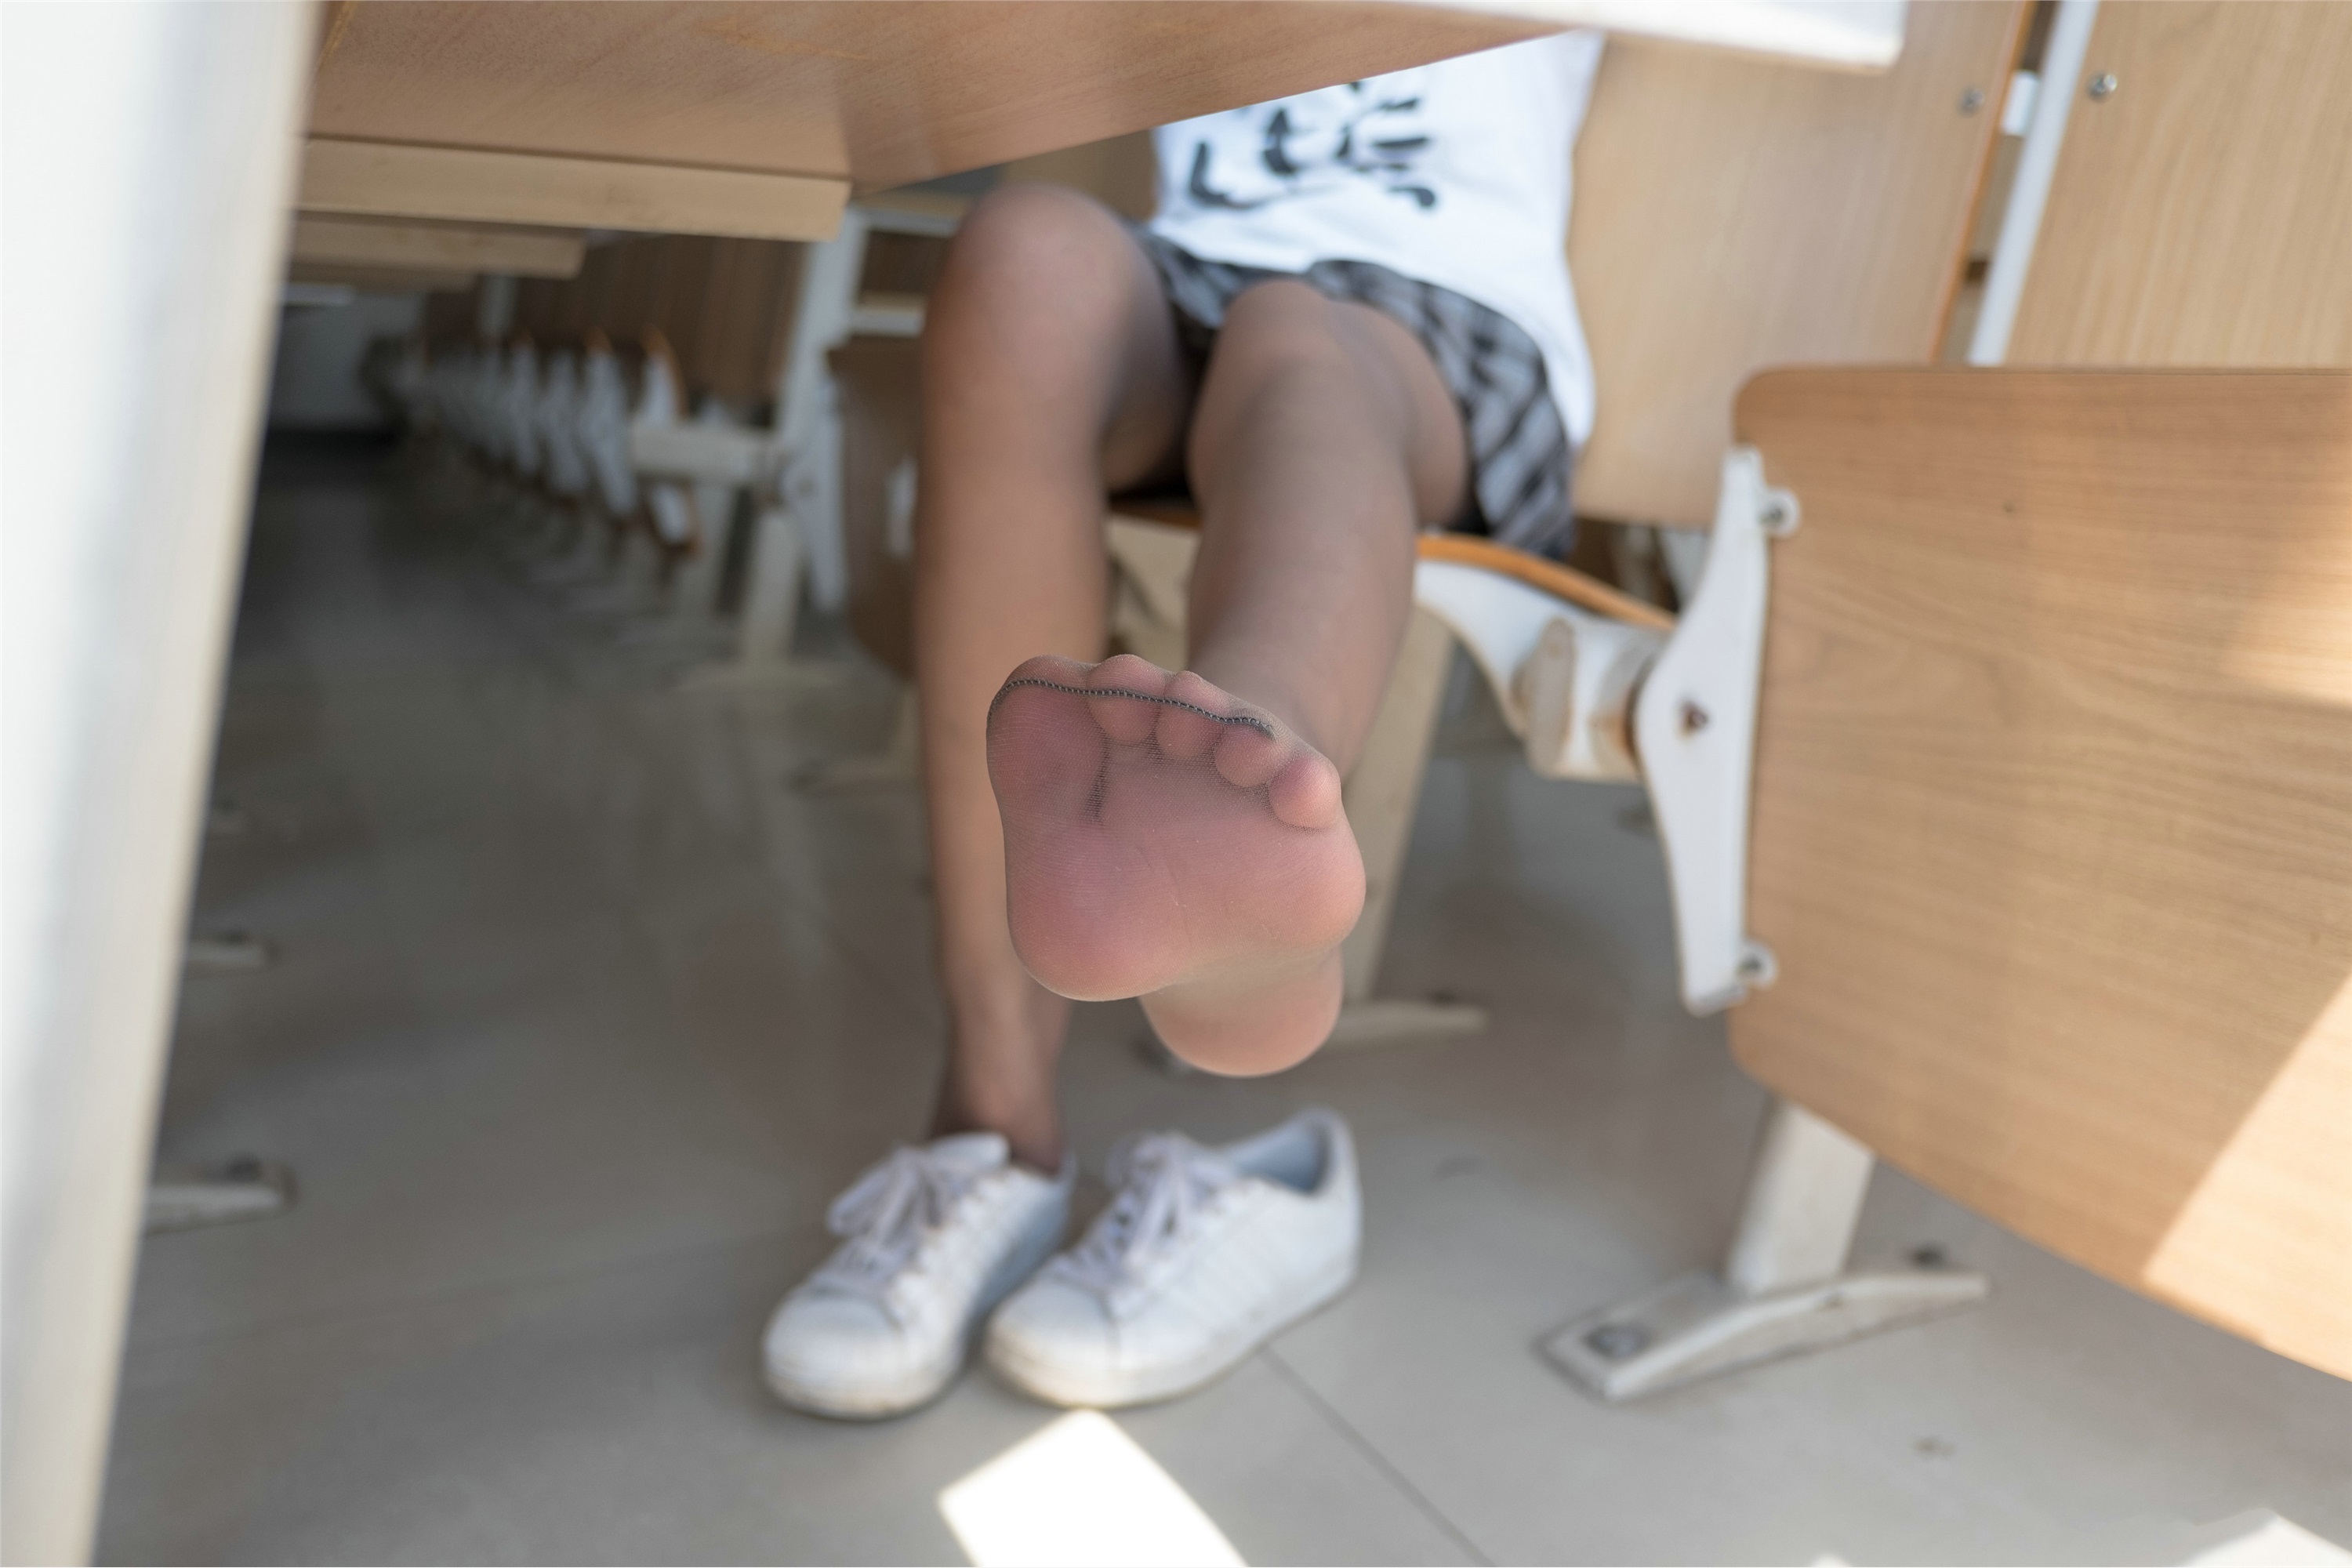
pixel 1051 371
pixel 1203 862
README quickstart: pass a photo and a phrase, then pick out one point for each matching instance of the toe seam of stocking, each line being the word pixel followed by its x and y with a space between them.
pixel 1260 725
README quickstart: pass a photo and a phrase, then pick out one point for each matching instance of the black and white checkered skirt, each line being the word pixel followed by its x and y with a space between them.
pixel 1521 463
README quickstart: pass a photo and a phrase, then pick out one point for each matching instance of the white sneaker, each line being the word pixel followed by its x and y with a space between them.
pixel 1205 1255
pixel 936 1236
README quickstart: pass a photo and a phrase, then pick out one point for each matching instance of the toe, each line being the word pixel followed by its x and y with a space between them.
pixel 1124 680
pixel 1126 672
pixel 1306 793
pixel 1042 753
pixel 1190 733
pixel 1248 757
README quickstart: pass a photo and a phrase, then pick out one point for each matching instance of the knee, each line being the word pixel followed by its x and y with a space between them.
pixel 1283 340
pixel 1279 328
pixel 1286 352
pixel 1033 251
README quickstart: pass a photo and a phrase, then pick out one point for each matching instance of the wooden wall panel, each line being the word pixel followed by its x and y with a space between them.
pixel 2053 812
pixel 739 330
pixel 725 305
pixel 449 319
pixel 881 385
pixel 2201 213
pixel 1732 215
pixel 628 303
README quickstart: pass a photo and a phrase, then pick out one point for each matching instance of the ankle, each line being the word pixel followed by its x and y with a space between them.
pixel 1034 1139
pixel 1010 1093
pixel 1004 1045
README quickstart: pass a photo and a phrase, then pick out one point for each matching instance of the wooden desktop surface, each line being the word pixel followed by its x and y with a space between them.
pixel 2053 812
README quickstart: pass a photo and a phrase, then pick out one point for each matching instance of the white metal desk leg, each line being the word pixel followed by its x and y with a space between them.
pixel 1804 1199
pixel 772 599
pixel 149 156
pixel 780 566
pixel 809 435
pixel 809 409
pixel 692 594
pixel 1783 1289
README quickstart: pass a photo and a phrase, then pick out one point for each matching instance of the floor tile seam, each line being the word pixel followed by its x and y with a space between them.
pixel 429 1300
pixel 1379 1461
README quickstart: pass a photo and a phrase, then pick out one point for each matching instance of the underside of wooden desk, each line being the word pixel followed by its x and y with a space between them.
pixel 881 93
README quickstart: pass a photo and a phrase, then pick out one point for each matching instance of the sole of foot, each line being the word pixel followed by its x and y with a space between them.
pixel 1164 839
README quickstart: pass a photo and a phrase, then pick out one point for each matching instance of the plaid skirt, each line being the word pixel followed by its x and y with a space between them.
pixel 1521 464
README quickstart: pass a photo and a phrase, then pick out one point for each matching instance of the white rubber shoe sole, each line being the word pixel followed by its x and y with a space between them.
pixel 878 1399
pixel 1042 1378
pixel 870 1401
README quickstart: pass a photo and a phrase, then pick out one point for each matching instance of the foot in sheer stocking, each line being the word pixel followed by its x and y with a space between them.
pixel 1163 839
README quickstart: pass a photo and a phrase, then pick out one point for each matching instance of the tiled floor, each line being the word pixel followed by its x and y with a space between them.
pixel 580 1014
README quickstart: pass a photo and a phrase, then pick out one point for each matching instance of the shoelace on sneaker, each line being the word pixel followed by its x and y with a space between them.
pixel 883 1216
pixel 1166 1183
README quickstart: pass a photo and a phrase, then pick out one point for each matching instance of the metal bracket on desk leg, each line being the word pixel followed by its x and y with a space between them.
pixel 1782 1289
pixel 244 1188
pixel 1694 726
pixel 226 953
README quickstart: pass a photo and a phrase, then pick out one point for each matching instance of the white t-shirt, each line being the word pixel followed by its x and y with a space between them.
pixel 1455 173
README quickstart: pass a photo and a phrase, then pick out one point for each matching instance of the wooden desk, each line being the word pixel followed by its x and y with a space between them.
pixel 759 120
pixel 2053 812
pixel 437 247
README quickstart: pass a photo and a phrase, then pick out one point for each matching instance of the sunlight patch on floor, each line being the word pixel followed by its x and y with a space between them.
pixel 2274 1540
pixel 1080 1491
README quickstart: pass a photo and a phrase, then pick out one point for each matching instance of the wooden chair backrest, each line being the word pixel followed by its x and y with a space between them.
pixel 1732 215
pixel 2053 828
pixel 2201 213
